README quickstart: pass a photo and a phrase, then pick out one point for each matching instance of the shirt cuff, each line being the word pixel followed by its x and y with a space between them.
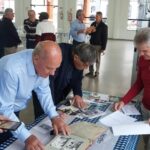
pixel 22 133
pixel 53 113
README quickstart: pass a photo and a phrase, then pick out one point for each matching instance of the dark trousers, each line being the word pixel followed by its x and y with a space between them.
pixel 6 135
pixel 38 110
pixel 75 43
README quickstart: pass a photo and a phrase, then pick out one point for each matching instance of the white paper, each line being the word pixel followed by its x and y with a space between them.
pixel 116 118
pixel 130 109
pixel 104 97
pixel 136 128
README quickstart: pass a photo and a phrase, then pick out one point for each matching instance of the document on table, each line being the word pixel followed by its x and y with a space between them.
pixel 130 109
pixel 116 118
pixel 135 128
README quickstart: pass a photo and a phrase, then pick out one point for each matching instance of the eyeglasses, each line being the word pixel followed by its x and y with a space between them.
pixel 81 63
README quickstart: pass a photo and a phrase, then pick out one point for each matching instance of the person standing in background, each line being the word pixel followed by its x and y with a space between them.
pixel 99 35
pixel 10 38
pixel 30 29
pixel 78 29
pixel 45 29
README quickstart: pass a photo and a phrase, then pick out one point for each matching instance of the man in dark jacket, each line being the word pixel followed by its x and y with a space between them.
pixel 99 34
pixel 69 75
pixel 8 33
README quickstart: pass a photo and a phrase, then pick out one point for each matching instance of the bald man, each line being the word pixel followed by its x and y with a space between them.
pixel 22 72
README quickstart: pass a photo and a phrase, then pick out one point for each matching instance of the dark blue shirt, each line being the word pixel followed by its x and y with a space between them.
pixel 66 77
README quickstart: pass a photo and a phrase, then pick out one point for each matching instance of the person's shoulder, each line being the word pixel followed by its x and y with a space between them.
pixel 74 21
pixel 104 24
pixel 26 20
pixel 7 21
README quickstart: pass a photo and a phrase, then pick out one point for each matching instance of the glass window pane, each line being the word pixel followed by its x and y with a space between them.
pixel 133 14
pixel 6 4
pixel 41 6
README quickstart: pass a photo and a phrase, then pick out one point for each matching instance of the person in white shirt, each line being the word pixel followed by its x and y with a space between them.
pixel 45 29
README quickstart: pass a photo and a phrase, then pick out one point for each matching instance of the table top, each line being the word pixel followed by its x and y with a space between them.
pixel 105 141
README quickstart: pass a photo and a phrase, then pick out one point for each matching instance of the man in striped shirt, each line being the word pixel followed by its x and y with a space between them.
pixel 30 29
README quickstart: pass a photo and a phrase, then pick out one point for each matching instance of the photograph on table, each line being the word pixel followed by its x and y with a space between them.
pixel 95 97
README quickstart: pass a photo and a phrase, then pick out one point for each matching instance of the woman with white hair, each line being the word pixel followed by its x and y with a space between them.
pixel 142 43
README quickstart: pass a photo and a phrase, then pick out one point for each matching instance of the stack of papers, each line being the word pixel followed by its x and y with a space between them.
pixel 130 109
pixel 135 128
pixel 122 124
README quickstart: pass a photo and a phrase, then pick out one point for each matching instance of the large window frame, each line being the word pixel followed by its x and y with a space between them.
pixel 91 7
pixel 139 14
pixel 6 4
pixel 50 6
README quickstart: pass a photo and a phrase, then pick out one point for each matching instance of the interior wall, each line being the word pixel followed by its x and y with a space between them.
pixel 117 20
pixel 21 9
pixel 66 7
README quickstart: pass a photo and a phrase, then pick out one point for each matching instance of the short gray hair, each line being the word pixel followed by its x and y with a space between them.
pixel 86 53
pixel 78 13
pixel 7 10
pixel 99 13
pixel 142 36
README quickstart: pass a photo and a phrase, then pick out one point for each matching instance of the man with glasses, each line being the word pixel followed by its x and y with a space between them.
pixel 70 73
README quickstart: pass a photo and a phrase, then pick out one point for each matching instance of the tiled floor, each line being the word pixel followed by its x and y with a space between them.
pixel 115 74
pixel 115 70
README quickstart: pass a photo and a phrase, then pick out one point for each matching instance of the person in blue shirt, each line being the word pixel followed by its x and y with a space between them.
pixel 70 73
pixel 78 29
pixel 22 72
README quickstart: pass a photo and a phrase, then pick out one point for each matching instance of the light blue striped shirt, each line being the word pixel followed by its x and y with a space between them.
pixel 75 27
pixel 17 80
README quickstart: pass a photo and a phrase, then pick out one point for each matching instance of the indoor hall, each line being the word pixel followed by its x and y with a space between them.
pixel 118 65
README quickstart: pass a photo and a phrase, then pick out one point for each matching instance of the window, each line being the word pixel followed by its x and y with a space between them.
pixel 92 7
pixel 6 4
pixel 133 15
pixel 139 14
pixel 50 6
